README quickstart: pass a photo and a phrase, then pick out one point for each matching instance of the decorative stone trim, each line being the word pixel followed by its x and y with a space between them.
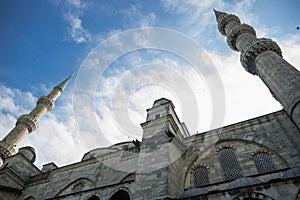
pixel 77 187
pixel 4 153
pixel 94 194
pixel 226 19
pixel 261 151
pixel 47 102
pixel 248 57
pixel 223 146
pixel 237 31
pixel 198 164
pixel 26 121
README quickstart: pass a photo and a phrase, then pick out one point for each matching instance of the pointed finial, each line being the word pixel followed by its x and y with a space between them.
pixel 63 84
pixel 217 13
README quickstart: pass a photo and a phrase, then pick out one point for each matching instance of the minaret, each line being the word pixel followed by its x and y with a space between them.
pixel 262 57
pixel 28 122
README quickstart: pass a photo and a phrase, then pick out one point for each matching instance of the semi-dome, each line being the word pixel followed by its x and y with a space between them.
pixel 111 149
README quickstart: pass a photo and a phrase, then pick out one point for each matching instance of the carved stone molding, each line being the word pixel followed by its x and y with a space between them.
pixel 47 102
pixel 248 57
pixel 198 164
pixel 4 153
pixel 237 31
pixel 260 151
pixel 26 121
pixel 226 19
pixel 224 146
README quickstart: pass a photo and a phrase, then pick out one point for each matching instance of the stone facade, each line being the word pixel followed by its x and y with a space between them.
pixel 254 159
pixel 163 166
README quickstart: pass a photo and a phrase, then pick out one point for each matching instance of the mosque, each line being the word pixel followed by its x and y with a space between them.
pixel 256 159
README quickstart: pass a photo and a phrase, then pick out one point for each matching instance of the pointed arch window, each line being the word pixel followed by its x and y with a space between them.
pixel 121 194
pixel 229 164
pixel 200 176
pixel 264 162
pixel 93 198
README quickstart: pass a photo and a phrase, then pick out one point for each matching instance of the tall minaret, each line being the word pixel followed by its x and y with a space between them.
pixel 262 57
pixel 28 122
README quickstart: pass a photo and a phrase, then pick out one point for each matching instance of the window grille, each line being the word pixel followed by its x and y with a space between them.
pixel 200 176
pixel 264 162
pixel 230 165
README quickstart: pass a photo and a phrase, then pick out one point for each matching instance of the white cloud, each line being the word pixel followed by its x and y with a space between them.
pixel 290 47
pixel 72 11
pixel 135 17
pixel 242 90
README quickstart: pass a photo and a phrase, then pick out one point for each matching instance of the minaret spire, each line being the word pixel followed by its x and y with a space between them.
pixel 262 57
pixel 27 123
pixel 217 13
pixel 64 84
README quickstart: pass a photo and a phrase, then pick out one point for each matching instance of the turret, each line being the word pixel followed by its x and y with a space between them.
pixel 27 123
pixel 160 158
pixel 263 57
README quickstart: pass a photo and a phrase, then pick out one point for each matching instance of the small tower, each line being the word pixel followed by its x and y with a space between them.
pixel 160 159
pixel 27 123
pixel 262 57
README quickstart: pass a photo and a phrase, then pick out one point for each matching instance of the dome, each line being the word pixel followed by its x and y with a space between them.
pixel 111 149
pixel 242 182
pixel 28 152
pixel 98 153
pixel 161 102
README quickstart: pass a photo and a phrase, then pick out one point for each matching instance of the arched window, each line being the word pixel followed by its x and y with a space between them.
pixel 30 198
pixel 252 196
pixel 229 163
pixel 200 176
pixel 264 162
pixel 78 187
pixel 120 195
pixel 93 198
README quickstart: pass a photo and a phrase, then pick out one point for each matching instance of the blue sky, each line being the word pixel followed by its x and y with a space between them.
pixel 42 42
pixel 37 46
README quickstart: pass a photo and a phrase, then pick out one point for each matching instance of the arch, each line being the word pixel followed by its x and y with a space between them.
pixel 261 142
pixel 263 145
pixel 76 186
pixel 94 197
pixel 230 142
pixel 253 196
pixel 189 168
pixel 29 198
pixel 229 163
pixel 128 177
pixel 120 194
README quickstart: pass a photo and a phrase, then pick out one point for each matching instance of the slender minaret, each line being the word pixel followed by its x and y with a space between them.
pixel 28 122
pixel 262 57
